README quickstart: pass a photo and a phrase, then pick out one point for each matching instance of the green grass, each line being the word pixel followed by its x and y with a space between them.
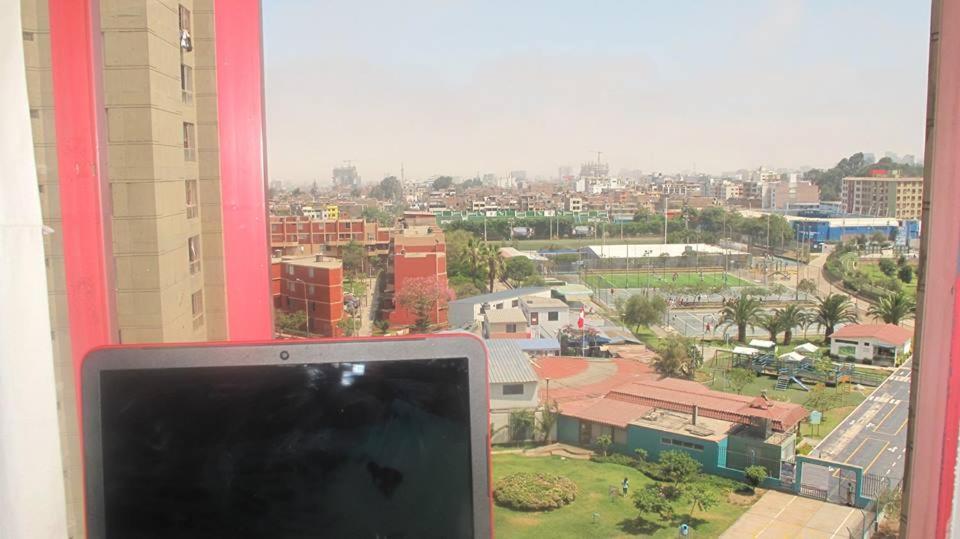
pixel 616 517
pixel 873 271
pixel 648 337
pixel 357 288
pixel 650 280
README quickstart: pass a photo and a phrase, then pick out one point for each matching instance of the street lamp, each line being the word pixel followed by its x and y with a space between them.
pixel 306 305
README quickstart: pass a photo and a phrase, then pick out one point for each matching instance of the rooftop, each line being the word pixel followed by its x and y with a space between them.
pixel 498 296
pixel 508 363
pixel 314 262
pixel 883 179
pixel 535 345
pixel 887 333
pixel 540 302
pixel 506 316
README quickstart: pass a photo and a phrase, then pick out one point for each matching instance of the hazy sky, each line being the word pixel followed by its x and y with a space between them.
pixel 451 87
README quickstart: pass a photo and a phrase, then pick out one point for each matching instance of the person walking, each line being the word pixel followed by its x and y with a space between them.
pixel 625 486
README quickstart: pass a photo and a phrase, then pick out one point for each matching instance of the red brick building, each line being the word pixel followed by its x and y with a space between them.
pixel 416 252
pixel 313 285
pixel 299 235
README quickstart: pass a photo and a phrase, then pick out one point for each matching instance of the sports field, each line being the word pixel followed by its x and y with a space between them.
pixel 650 280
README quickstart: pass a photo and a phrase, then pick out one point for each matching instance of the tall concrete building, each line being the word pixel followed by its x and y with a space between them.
pixel 900 198
pixel 162 165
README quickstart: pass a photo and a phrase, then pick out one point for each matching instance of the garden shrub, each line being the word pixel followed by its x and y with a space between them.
pixel 534 491
pixel 615 458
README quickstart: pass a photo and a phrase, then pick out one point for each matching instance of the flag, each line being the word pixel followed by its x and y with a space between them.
pixel 580 320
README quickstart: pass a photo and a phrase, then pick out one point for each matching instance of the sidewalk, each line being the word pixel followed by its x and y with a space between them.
pixel 778 515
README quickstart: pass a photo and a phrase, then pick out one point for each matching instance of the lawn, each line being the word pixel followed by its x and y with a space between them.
pixel 873 271
pixel 614 517
pixel 650 280
pixel 573 243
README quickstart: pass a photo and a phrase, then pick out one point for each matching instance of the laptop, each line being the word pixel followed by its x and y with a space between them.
pixel 378 438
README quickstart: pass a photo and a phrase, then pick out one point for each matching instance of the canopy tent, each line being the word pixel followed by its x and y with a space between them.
pixel 760 343
pixel 792 356
pixel 745 351
pixel 806 348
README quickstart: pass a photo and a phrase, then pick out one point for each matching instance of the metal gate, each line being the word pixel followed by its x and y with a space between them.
pixel 828 483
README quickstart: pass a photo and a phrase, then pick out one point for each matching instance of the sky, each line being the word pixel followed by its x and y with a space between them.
pixel 461 88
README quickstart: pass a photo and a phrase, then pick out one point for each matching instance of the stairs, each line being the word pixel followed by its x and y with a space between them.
pixel 783 382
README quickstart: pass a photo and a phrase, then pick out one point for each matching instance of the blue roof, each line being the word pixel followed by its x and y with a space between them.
pixel 535 345
pixel 497 296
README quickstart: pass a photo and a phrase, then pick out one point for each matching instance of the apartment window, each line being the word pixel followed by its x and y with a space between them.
pixel 189 142
pixel 511 328
pixel 346 225
pixel 193 209
pixel 35 113
pixel 186 40
pixel 513 389
pixel 193 252
pixel 515 303
pixel 291 286
pixel 311 272
pixel 196 304
pixel 289 270
pixel 311 289
pixel 186 83
pixel 28 36
pixel 553 316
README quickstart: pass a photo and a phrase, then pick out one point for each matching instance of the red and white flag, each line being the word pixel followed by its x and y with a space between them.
pixel 581 319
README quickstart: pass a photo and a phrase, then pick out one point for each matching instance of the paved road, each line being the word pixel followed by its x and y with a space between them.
pixel 874 435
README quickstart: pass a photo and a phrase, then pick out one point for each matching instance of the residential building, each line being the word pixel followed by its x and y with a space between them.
pixel 466 312
pixel 295 235
pixel 900 198
pixel 724 432
pixel 872 343
pixel 314 286
pixel 790 193
pixel 545 315
pixel 416 252
pixel 574 204
pixel 514 385
pixel 346 177
pixel 161 141
pixel 505 324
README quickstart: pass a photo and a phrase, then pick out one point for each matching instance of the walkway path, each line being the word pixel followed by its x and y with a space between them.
pixel 368 311
pixel 777 515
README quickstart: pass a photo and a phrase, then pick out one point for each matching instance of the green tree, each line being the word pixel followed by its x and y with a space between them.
pixel 702 499
pixel 291 322
pixel 389 188
pixel 443 182
pixel 905 273
pixel 678 466
pixel 518 269
pixel 755 475
pixel 677 356
pixel 832 310
pixel 807 286
pixel 374 214
pixel 740 312
pixel 878 237
pixel 548 418
pixel 533 280
pixel 352 256
pixel 653 504
pixel 771 323
pixel 490 257
pixel 739 378
pixel 894 308
pixel 790 317
pixel 888 267
pixel 382 326
pixel 641 454
pixel 521 424
pixel 464 287
pixel 603 443
pixel 349 325
pixel 639 310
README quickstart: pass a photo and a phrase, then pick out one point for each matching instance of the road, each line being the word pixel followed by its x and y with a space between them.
pixel 874 435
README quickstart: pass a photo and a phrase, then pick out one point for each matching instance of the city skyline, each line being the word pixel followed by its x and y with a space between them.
pixel 457 88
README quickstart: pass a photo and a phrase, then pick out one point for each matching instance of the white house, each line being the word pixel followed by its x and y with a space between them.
pixel 513 385
pixel 468 311
pixel 545 315
pixel 871 342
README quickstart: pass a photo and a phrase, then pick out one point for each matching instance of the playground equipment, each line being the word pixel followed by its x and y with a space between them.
pixel 804 372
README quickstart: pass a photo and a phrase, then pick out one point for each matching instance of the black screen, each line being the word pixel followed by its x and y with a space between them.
pixel 373 449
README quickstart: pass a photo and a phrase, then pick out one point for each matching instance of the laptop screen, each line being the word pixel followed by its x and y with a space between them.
pixel 367 449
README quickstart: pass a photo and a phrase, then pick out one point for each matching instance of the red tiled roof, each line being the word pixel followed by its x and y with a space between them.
pixel 607 411
pixel 887 333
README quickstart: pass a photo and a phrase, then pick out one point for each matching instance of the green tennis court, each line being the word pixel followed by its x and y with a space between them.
pixel 651 280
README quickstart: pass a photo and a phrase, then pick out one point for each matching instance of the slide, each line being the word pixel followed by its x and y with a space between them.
pixel 803 387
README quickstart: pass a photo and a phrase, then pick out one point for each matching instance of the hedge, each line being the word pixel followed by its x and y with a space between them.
pixel 534 492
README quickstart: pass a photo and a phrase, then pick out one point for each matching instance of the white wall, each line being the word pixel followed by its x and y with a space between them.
pixel 499 401
pixel 32 500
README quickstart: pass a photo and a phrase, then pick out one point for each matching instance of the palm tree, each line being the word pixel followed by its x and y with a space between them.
pixel 792 316
pixel 894 308
pixel 490 255
pixel 770 322
pixel 832 310
pixel 473 252
pixel 740 312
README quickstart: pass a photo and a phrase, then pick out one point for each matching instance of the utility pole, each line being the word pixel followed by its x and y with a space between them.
pixel 666 205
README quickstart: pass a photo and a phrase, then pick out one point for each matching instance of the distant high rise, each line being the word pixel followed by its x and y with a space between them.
pixel 519 175
pixel 594 169
pixel 346 176
pixel 900 198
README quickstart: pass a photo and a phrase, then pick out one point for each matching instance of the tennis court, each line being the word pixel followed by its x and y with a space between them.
pixel 653 280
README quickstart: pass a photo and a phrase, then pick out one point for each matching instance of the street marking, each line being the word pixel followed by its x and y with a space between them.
pixel 836 531
pixel 879 453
